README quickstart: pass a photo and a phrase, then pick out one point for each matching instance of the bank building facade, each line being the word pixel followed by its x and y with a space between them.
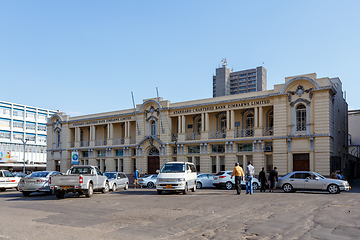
pixel 301 124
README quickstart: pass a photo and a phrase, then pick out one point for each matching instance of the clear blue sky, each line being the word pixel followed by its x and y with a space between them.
pixel 86 57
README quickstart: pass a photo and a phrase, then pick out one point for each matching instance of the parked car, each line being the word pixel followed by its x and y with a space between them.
pixel 149 181
pixel 19 174
pixel 7 180
pixel 204 180
pixel 310 181
pixel 176 176
pixel 36 182
pixel 117 180
pixel 82 179
pixel 223 180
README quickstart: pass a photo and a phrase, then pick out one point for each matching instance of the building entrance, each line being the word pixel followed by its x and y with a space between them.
pixel 153 164
pixel 301 162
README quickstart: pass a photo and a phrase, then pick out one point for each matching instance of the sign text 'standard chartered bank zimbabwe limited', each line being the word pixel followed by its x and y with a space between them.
pixel 225 106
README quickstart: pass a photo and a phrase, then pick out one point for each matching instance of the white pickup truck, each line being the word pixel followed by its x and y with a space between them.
pixel 83 179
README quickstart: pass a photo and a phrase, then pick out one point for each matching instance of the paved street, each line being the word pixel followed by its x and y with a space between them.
pixel 205 214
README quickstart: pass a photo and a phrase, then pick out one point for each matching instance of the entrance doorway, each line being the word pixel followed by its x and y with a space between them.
pixel 301 162
pixel 153 164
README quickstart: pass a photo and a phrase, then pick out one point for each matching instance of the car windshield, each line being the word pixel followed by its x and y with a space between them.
pixel 173 167
pixel 39 174
pixel 110 175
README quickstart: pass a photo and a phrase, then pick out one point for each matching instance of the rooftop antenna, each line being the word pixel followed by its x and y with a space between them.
pixel 162 128
pixel 223 62
pixel 137 125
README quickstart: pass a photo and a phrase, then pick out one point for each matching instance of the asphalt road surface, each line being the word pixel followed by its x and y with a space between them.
pixel 205 214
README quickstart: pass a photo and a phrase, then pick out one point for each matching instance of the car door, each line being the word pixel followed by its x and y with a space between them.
pixel 312 182
pixel 98 180
pixel 121 180
pixel 297 180
pixel 208 180
pixel 2 180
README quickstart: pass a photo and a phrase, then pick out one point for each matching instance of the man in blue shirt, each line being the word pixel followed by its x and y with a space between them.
pixel 136 179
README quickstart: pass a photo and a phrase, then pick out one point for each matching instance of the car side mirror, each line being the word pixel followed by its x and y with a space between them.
pixel 157 171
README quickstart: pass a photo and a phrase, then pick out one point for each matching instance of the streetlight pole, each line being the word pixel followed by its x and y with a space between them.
pixel 24 142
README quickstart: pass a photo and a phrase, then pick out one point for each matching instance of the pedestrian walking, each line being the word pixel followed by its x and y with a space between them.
pixel 262 179
pixel 273 176
pixel 136 179
pixel 239 175
pixel 250 172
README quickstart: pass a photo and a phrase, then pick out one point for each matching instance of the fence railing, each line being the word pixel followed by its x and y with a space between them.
pixel 193 136
pixel 217 135
pixel 248 132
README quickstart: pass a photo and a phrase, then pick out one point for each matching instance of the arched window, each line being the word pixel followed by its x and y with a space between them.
pixel 198 125
pixel 153 152
pixel 300 118
pixel 58 138
pixel 152 127
pixel 249 120
pixel 271 119
pixel 223 123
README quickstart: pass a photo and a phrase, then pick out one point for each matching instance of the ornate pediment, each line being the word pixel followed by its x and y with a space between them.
pixel 300 91
pixel 152 112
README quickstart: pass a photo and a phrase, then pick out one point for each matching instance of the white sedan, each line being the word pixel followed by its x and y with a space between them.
pixel 117 180
pixel 223 180
pixel 204 180
pixel 7 180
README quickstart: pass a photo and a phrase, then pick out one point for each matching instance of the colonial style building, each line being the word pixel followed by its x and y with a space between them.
pixel 299 125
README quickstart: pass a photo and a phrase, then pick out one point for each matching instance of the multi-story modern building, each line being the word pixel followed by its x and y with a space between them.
pixel 21 124
pixel 299 125
pixel 226 82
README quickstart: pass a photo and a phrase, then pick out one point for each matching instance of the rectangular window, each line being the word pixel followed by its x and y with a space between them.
pixel 101 153
pixel 42 116
pixel 119 152
pixel 245 147
pixel 18 124
pixel 18 113
pixel 41 127
pixel 240 161
pixel 41 138
pixel 121 163
pixel 189 159
pixel 251 78
pixel 197 164
pixel 222 163
pixel 30 114
pixel 31 137
pixel 174 159
pixel 194 149
pixel 218 148
pixel 4 135
pixel 134 151
pixel 4 110
pixel 213 164
pixel 85 154
pixel 252 74
pixel 4 122
pixel 30 126
pixel 98 163
pixel 18 136
pixel 175 150
pixel 133 165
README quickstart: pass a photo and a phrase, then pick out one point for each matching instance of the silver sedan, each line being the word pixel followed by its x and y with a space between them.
pixel 149 181
pixel 204 180
pixel 117 180
pixel 36 182
pixel 311 181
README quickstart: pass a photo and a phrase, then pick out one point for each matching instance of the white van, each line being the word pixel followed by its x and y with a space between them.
pixel 176 176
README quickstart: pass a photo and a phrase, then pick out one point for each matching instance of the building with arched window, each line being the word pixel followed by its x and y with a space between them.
pixel 301 124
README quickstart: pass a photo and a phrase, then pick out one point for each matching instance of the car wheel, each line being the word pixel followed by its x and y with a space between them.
pixel 185 191
pixel 3 189
pixel 106 188
pixel 228 185
pixel 194 188
pixel 198 185
pixel 90 191
pixel 159 192
pixel 60 195
pixel 126 186
pixel 333 189
pixel 255 186
pixel 114 187
pixel 287 188
pixel 150 185
pixel 26 194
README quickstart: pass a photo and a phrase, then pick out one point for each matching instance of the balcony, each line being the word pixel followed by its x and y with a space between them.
pixel 268 131
pixel 174 137
pixel 217 135
pixel 119 141
pixel 249 132
pixel 100 142
pixel 193 136
pixel 84 143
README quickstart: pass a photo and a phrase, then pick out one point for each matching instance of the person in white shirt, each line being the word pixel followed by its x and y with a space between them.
pixel 249 174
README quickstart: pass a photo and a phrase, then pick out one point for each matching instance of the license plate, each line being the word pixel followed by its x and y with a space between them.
pixel 168 186
pixel 215 178
pixel 66 187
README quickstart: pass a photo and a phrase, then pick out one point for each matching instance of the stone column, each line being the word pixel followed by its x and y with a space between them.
pixel 207 124
pixel 202 122
pixel 260 117
pixel 179 124
pixel 256 120
pixel 232 123
pixel 183 124
pixel 227 120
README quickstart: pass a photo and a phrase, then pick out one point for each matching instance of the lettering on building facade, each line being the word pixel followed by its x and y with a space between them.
pixel 102 121
pixel 225 106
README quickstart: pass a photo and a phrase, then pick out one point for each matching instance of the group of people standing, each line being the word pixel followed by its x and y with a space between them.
pixel 250 174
